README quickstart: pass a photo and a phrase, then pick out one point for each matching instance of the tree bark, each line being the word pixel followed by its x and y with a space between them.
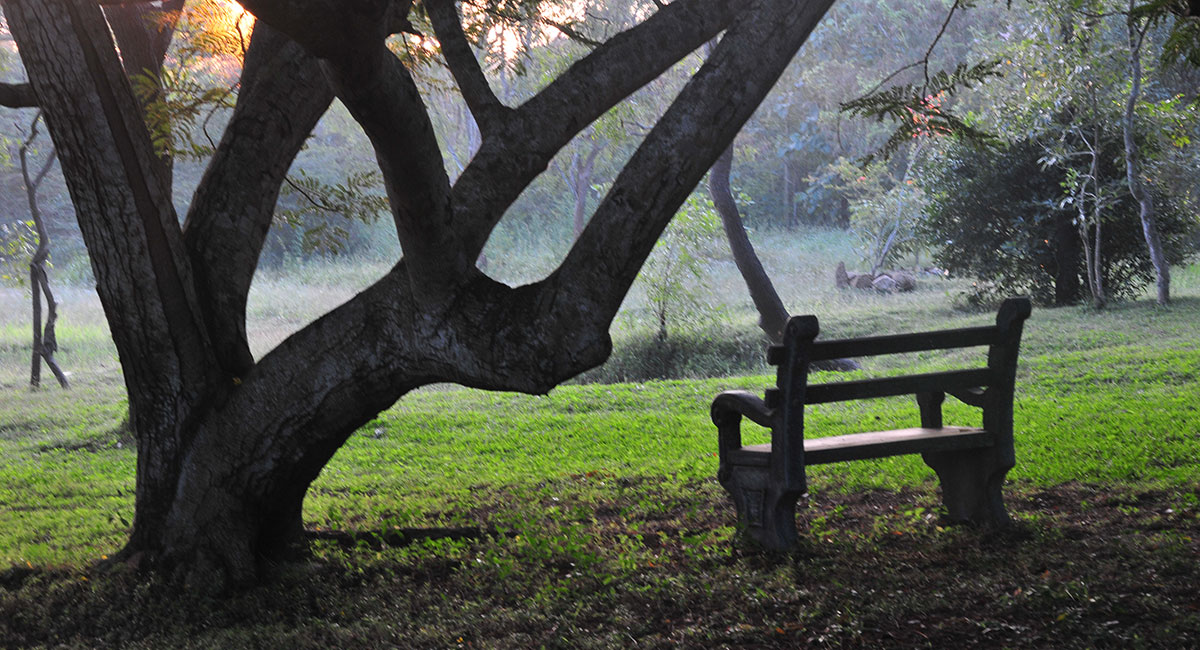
pixel 1133 166
pixel 143 33
pixel 17 96
pixel 283 95
pixel 772 315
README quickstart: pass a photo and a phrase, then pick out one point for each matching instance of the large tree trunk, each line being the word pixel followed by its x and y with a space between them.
pixel 228 445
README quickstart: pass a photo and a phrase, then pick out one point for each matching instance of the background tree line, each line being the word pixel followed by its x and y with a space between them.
pixel 1056 105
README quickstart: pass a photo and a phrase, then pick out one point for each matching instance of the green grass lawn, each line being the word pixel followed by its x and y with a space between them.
pixel 607 528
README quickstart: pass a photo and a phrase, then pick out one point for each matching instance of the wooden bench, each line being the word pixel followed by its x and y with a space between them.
pixel 766 480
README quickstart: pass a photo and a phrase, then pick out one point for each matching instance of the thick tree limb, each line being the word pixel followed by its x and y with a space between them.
pixel 310 393
pixel 385 101
pixel 716 103
pixel 506 163
pixel 474 86
pixel 283 95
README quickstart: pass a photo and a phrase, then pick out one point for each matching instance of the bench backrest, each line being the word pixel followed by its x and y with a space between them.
pixel 989 387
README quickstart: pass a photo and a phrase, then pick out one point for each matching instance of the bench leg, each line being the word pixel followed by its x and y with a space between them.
pixel 971 484
pixel 766 514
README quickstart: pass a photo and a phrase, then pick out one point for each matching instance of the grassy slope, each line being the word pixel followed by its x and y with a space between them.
pixel 598 483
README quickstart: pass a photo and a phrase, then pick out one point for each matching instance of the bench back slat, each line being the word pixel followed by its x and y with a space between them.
pixel 870 346
pixel 942 382
pixel 898 343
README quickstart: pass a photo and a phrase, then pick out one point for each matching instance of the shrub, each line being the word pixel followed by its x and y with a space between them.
pixel 997 216
pixel 715 350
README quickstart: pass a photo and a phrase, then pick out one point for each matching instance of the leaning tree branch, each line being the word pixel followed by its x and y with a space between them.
pixel 283 95
pixel 381 95
pixel 480 98
pixel 718 100
pixel 506 164
pixel 45 343
pixel 772 315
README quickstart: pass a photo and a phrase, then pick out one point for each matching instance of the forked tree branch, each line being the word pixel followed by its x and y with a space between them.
pixel 283 95
pixel 682 146
pixel 381 95
pixel 506 164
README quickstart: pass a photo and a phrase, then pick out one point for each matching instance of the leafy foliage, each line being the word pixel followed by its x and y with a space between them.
pixel 674 273
pixel 16 248
pixel 993 216
pixel 1183 40
pixel 321 210
pixel 917 109
pixel 178 104
pixel 197 82
pixel 886 205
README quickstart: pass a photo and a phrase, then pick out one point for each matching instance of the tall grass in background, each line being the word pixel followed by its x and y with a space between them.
pixel 717 337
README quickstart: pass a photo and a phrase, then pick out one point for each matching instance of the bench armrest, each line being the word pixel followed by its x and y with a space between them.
pixel 727 411
pixel 730 406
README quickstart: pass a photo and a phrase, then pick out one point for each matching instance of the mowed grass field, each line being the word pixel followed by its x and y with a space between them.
pixel 591 517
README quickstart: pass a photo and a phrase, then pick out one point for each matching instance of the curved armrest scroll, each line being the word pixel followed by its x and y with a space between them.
pixel 730 405
pixel 727 411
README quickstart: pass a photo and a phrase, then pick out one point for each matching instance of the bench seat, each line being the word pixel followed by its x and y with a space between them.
pixel 875 444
